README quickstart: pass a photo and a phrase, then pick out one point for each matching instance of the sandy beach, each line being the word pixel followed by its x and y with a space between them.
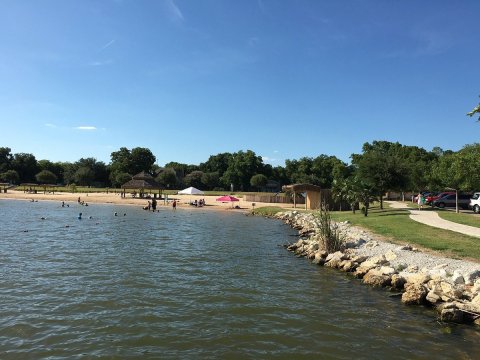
pixel 115 198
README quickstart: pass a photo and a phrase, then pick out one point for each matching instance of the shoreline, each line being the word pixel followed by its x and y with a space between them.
pixel 116 199
pixel 450 286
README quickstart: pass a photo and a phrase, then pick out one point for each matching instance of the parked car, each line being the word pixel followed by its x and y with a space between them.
pixel 425 194
pixel 475 203
pixel 449 201
pixel 430 199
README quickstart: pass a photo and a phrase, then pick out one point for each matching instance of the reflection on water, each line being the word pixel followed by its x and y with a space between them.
pixel 191 284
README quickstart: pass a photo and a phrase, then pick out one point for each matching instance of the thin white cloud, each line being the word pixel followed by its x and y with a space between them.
pixel 110 43
pixel 100 63
pixel 174 11
pixel 269 160
pixel 50 125
pixel 88 128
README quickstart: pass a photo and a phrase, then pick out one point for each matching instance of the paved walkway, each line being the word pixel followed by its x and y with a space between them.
pixel 431 218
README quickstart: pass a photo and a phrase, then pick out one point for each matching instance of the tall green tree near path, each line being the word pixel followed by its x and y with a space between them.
pixel 458 170
pixel 46 177
pixel 381 167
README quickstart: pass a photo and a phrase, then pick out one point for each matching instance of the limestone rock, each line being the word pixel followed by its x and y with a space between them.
pixel 371 244
pixel 349 265
pixel 417 278
pixel 452 315
pixel 375 277
pixel 359 258
pixel 387 270
pixel 457 278
pixel 398 282
pixel 412 269
pixel 471 277
pixel 415 293
pixel 433 298
pixel 390 255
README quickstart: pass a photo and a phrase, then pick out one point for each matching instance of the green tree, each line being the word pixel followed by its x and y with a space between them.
pixel 46 177
pixel 84 176
pixel 142 159
pixel 259 181
pixel 121 178
pixel 26 166
pixel 476 110
pixel 55 167
pixel 211 180
pixel 217 163
pixel 6 159
pixel 194 179
pixel 167 178
pixel 242 166
pixel 381 167
pixel 10 176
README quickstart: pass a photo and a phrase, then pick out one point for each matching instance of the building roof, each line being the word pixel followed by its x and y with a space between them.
pixel 301 188
pixel 142 180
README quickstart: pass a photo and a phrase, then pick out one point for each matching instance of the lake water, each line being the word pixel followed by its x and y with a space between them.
pixel 191 284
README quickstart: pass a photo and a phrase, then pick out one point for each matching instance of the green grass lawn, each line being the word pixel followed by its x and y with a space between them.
pixel 460 218
pixel 396 225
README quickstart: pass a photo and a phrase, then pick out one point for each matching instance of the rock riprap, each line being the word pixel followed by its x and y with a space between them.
pixel 452 286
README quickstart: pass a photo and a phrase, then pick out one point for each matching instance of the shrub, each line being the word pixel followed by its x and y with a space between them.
pixel 331 239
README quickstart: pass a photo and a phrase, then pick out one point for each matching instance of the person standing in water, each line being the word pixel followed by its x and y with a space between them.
pixel 174 205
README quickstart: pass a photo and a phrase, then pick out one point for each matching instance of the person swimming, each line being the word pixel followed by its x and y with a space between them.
pixel 80 216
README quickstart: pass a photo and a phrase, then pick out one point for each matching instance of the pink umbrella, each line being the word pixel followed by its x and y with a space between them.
pixel 228 198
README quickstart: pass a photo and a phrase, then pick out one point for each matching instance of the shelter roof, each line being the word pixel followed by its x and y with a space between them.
pixel 141 184
pixel 143 176
pixel 301 187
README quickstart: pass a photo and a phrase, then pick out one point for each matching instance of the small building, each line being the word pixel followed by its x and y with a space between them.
pixel 142 182
pixel 314 195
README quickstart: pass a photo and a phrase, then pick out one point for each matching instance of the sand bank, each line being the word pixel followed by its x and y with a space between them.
pixel 115 198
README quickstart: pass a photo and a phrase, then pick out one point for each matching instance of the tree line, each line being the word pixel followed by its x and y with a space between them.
pixel 381 166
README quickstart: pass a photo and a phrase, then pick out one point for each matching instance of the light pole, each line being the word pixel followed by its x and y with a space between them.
pixel 456 198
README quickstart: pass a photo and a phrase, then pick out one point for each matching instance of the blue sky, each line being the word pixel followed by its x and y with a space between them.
pixel 189 79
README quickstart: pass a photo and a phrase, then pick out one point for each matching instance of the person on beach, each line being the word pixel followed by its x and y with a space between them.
pixel 154 204
pixel 174 205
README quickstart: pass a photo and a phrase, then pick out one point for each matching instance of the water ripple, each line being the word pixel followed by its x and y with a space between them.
pixel 190 284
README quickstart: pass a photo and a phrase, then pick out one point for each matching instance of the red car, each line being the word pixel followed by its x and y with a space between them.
pixel 430 199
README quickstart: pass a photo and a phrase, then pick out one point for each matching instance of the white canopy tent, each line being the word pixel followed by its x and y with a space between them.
pixel 191 191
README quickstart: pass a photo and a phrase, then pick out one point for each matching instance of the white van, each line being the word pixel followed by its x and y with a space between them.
pixel 475 203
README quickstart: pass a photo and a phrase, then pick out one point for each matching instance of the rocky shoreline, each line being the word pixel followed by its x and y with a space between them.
pixel 451 286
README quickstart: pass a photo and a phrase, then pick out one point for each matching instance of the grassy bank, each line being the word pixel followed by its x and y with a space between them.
pixel 465 219
pixel 396 225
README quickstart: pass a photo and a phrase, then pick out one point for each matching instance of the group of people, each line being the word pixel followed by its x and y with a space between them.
pixel 81 202
pixel 198 203
pixel 151 205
